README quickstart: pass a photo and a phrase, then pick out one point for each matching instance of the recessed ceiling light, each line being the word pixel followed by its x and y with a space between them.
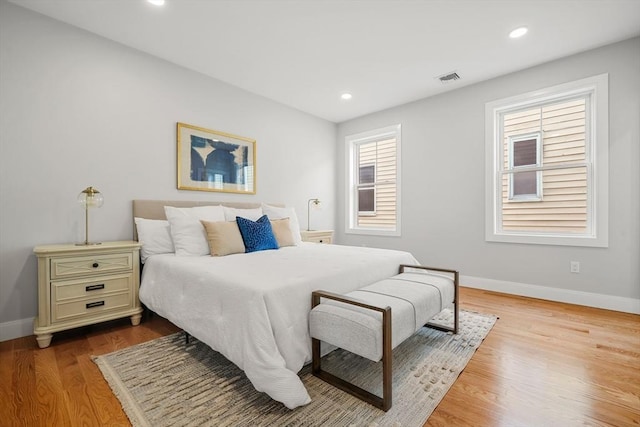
pixel 156 2
pixel 346 96
pixel 518 32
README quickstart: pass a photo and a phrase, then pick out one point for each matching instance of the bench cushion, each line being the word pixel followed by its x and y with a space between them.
pixel 414 297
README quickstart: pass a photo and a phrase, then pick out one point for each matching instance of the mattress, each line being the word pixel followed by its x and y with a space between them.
pixel 253 308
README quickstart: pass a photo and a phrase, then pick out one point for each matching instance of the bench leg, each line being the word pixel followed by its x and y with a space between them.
pixel 383 402
pixel 456 320
pixel 387 362
pixel 456 297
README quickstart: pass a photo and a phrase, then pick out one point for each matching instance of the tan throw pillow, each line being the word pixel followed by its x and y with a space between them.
pixel 224 237
pixel 282 231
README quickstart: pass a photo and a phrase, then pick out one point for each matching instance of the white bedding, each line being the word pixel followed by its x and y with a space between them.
pixel 253 308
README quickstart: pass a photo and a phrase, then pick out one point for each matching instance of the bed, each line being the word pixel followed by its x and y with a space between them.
pixel 253 307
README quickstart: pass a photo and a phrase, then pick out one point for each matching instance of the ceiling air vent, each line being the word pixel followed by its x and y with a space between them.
pixel 448 78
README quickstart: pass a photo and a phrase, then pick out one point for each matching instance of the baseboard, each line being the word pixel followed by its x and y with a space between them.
pixel 16 329
pixel 609 302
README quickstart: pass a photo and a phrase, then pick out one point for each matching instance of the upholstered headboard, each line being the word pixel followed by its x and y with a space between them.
pixel 154 209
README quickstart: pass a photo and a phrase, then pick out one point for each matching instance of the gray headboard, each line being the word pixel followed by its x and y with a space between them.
pixel 154 209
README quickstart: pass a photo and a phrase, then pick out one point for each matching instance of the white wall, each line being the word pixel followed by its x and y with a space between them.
pixel 443 187
pixel 78 110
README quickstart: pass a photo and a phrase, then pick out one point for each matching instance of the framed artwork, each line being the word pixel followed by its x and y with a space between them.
pixel 210 160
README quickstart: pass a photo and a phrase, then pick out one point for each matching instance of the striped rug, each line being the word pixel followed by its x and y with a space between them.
pixel 167 383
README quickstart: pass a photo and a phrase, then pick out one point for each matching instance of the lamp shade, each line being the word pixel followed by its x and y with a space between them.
pixel 90 198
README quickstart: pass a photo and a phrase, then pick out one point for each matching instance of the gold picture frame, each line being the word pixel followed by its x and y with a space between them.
pixel 210 160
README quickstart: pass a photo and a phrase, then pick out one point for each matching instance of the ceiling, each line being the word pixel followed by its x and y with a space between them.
pixel 306 53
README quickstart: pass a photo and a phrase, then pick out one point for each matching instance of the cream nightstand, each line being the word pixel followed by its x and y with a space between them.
pixel 317 236
pixel 82 285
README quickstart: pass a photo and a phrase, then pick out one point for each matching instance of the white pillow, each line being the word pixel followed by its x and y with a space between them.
pixel 188 234
pixel 253 214
pixel 275 212
pixel 155 236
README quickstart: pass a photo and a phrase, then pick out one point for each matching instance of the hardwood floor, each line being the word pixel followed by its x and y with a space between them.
pixel 543 364
pixel 547 364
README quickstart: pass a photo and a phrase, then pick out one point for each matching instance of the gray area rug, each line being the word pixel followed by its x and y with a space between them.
pixel 167 383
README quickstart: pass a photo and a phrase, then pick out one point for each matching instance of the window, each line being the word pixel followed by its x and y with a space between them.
pixel 373 193
pixel 524 152
pixel 547 176
pixel 366 189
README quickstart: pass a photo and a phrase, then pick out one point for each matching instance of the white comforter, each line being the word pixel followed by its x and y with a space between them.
pixel 253 308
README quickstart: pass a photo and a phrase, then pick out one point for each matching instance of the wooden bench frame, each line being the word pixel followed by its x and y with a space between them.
pixel 385 401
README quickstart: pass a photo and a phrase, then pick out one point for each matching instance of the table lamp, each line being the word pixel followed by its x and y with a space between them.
pixel 89 198
pixel 315 202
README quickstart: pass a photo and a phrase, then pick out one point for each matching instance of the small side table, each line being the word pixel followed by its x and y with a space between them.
pixel 83 285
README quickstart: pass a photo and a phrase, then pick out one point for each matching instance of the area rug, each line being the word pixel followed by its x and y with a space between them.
pixel 166 382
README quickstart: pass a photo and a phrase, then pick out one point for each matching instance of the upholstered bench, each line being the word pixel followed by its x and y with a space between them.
pixel 373 320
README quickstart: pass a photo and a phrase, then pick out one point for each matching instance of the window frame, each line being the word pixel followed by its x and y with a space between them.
pixel 596 90
pixel 516 169
pixel 352 142
pixel 371 212
pixel 367 186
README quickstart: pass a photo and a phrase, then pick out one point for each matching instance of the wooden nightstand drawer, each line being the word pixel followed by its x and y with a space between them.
pixel 90 307
pixel 82 288
pixel 317 236
pixel 96 264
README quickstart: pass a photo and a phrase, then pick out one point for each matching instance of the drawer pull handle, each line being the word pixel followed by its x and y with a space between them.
pixel 94 287
pixel 95 304
pixel 95 265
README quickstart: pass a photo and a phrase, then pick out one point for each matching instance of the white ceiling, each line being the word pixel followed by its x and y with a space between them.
pixel 305 53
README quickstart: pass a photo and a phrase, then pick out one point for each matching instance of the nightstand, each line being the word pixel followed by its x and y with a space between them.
pixel 317 236
pixel 83 285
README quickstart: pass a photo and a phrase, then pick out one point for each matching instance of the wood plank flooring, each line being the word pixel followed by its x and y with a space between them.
pixel 543 364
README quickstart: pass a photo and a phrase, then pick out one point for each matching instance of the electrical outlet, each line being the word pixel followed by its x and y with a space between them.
pixel 575 266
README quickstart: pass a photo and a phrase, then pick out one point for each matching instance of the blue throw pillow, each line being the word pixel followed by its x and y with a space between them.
pixel 257 235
